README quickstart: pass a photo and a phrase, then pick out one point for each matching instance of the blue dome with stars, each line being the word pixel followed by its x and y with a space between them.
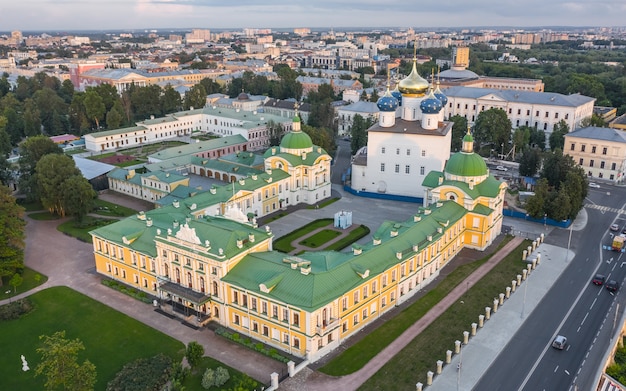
pixel 387 102
pixel 439 95
pixel 431 105
pixel 397 94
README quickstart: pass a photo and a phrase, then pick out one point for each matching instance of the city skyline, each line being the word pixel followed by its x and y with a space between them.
pixel 69 15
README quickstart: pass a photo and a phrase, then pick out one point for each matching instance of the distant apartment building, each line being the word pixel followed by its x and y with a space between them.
pixel 302 31
pixel 198 36
pixel 346 114
pixel 338 85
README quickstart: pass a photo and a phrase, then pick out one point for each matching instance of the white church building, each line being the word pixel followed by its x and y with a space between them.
pixel 410 140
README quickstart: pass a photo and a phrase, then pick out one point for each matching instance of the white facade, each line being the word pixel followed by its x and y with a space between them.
pixel 221 121
pixel 542 110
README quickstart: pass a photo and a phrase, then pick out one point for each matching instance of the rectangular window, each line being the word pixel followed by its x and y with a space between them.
pixel 264 307
pixel 344 303
pixel 407 169
pixel 519 111
pixel 593 149
pixel 422 170
pixel 397 151
pixel 408 152
pixel 296 320
pixel 580 161
pixel 365 292
pixel 582 148
pixel 275 311
pixel 591 163
pixel 397 168
pixel 612 166
pixel 556 115
pixel 355 319
pixel 383 302
pixel 547 114
pixel 266 331
pixel 571 147
pixel 253 303
pixel 604 151
pixel 365 313
pixel 285 315
pixel 423 152
pixel 373 287
pixel 382 167
pixel 356 297
pixel 527 112
pixel 382 150
pixel 601 164
pixel 537 113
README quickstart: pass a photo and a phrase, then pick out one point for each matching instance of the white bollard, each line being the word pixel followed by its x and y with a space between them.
pixel 508 292
pixel 495 305
pixel 419 387
pixel 513 285
pixel 501 297
pixel 429 378
pixel 439 367
pixel 481 320
pixel 274 380
pixel 474 327
pixel 448 356
pixel 466 337
pixel 457 346
pixel 291 367
pixel 487 313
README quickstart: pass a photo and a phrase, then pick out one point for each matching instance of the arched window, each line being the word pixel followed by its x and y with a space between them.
pixel 215 288
pixel 167 270
pixel 189 280
pixel 202 284
pixel 177 272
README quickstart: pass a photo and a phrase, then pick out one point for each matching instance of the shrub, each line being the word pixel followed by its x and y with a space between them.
pixel 15 309
pixel 149 374
pixel 221 376
pixel 194 353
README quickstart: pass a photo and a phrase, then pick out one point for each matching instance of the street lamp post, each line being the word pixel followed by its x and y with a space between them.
pixel 502 145
pixel 545 216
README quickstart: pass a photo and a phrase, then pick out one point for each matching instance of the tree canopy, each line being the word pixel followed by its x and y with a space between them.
pixel 11 235
pixel 492 130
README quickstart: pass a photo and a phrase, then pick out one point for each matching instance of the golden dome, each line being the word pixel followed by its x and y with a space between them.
pixel 414 84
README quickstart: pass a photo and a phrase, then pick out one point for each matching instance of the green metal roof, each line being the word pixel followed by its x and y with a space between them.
pixel 466 164
pixel 333 274
pixel 221 233
pixel 296 160
pixel 296 140
pixel 490 187
pixel 196 148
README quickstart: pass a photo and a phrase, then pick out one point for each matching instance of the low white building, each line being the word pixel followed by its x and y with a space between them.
pixel 345 115
pixel 217 120
pixel 601 152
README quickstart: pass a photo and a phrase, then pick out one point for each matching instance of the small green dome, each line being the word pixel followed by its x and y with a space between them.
pixel 296 140
pixel 468 138
pixel 466 165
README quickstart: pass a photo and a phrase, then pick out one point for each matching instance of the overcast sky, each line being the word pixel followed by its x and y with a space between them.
pixel 68 15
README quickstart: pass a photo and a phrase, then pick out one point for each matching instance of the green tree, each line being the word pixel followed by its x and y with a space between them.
pixel 276 132
pixel 321 137
pixel 59 364
pixel 32 119
pixel 77 196
pixel 16 281
pixel 50 105
pixel 459 129
pixel 52 171
pixel 195 97
pixel 31 151
pixel 557 137
pixel 11 234
pixel 530 162
pixel 144 102
pixel 115 116
pixel 594 120
pixel 536 205
pixel 560 206
pixel 194 353
pixel 210 86
pixel 94 107
pixel 537 137
pixel 358 133
pixel 171 101
pixel 493 129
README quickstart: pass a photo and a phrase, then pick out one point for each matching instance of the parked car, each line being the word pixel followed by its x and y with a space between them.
pixel 612 286
pixel 594 185
pixel 502 168
pixel 614 227
pixel 598 279
pixel 560 342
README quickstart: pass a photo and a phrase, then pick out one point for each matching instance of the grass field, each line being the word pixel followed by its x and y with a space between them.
pixel 320 238
pixel 30 280
pixel 81 230
pixel 111 339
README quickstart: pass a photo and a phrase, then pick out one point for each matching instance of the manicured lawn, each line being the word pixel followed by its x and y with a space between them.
pixel 284 243
pixel 41 216
pixel 111 339
pixel 30 206
pixel 105 208
pixel 80 231
pixel 352 237
pixel 29 282
pixel 320 238
pixel 411 364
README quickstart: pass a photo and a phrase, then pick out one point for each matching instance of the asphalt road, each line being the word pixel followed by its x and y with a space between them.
pixel 573 307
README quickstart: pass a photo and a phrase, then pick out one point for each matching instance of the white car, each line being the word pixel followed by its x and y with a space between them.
pixel 560 342
pixel 502 168
pixel 594 185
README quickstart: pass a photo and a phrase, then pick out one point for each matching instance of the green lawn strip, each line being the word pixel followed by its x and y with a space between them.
pixel 352 237
pixel 30 206
pixel 111 339
pixel 81 230
pixel 419 356
pixel 101 156
pixel 284 243
pixel 323 204
pixel 356 356
pixel 29 282
pixel 105 208
pixel 320 238
pixel 42 216
pixel 194 381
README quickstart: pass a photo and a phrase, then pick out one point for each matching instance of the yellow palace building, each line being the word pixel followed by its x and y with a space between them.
pixel 212 268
